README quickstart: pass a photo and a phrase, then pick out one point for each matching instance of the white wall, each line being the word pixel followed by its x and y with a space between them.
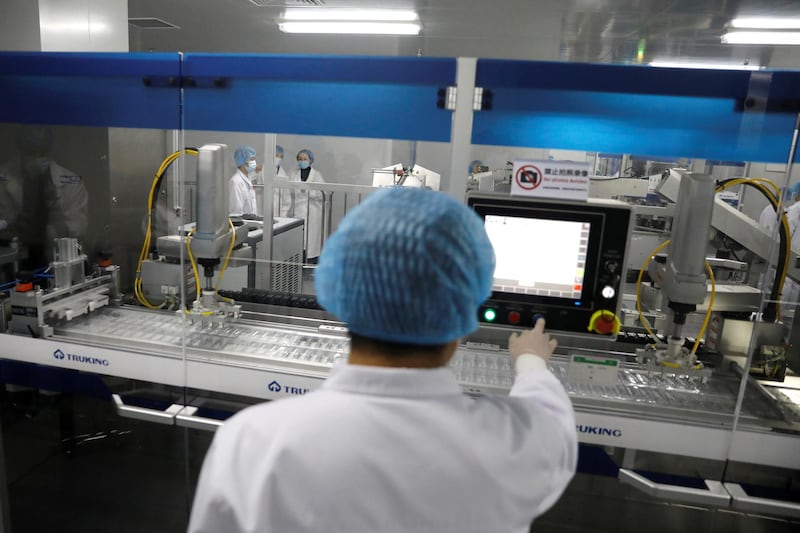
pixel 64 25
pixel 785 57
pixel 84 25
pixel 521 29
pixel 346 160
pixel 19 26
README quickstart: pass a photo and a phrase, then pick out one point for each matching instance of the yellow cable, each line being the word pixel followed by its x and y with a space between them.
pixel 708 311
pixel 137 283
pixel 762 184
pixel 194 265
pixel 230 252
pixel 639 289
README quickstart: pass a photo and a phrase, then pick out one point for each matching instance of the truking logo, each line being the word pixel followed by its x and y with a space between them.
pixel 274 386
pixel 597 430
pixel 61 355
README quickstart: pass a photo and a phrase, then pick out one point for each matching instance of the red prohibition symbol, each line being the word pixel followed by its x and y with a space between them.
pixel 528 177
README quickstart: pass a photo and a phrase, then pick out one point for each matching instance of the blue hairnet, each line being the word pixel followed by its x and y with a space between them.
pixel 243 154
pixel 471 168
pixel 278 149
pixel 308 152
pixel 794 189
pixel 408 265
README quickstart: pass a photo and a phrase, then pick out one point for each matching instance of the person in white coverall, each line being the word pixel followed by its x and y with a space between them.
pixel 241 194
pixel 768 220
pixel 41 200
pixel 389 443
pixel 306 204
pixel 280 196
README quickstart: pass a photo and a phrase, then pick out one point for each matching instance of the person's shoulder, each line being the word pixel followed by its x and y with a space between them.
pixel 268 414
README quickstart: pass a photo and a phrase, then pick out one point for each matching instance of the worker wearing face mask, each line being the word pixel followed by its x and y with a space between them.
pixel 241 194
pixel 306 204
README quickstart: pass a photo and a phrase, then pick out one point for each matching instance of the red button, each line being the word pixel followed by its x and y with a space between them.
pixel 513 317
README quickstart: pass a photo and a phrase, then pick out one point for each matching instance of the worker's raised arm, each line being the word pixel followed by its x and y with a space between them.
pixel 544 409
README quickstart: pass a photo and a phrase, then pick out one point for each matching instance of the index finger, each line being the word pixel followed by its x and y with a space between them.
pixel 539 326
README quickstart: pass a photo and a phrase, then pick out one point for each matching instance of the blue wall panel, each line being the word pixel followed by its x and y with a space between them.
pixel 392 98
pixel 87 89
pixel 632 109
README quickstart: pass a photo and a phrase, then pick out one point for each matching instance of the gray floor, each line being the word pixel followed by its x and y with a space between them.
pixel 73 465
pixel 595 504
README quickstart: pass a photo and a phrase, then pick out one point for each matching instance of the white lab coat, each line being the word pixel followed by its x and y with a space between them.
pixel 391 450
pixel 768 220
pixel 295 205
pixel 280 197
pixel 67 202
pixel 241 195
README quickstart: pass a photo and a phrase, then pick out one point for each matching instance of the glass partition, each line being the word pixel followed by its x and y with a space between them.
pixel 181 287
pixel 709 417
pixel 82 137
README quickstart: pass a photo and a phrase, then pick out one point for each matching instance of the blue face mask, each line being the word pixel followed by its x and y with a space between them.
pixel 303 164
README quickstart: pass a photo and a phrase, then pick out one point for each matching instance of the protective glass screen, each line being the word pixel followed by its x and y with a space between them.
pixel 538 256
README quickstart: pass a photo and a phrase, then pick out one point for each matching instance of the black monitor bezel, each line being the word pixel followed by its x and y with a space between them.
pixel 552 211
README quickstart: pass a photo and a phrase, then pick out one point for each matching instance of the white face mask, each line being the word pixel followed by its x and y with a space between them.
pixel 278 161
pixel 251 166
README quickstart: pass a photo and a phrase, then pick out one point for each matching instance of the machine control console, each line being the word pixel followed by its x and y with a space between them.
pixel 559 260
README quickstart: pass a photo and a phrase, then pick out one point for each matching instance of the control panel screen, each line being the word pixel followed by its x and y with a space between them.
pixel 556 259
pixel 537 256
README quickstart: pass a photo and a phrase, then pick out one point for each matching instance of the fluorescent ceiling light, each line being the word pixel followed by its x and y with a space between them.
pixel 700 64
pixel 761 37
pixel 365 28
pixel 766 23
pixel 380 15
pixel 75 27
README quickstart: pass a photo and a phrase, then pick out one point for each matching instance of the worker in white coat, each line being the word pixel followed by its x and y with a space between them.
pixel 41 200
pixel 768 220
pixel 389 442
pixel 280 196
pixel 241 193
pixel 306 204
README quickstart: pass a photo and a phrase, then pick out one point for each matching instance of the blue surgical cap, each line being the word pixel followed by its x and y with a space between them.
pixel 278 149
pixel 308 152
pixel 243 154
pixel 409 266
pixel 471 168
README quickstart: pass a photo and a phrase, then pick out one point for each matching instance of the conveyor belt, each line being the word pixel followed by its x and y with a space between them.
pixel 306 349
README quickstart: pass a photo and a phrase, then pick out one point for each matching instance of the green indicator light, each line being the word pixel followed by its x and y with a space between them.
pixel 489 315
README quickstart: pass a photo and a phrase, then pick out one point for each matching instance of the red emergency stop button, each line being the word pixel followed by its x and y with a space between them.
pixel 513 317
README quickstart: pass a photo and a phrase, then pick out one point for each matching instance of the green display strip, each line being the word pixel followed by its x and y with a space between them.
pixel 587 360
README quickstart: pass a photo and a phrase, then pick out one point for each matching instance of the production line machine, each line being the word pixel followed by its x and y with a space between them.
pixel 642 381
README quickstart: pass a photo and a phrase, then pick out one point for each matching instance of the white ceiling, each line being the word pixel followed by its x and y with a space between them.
pixel 568 30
